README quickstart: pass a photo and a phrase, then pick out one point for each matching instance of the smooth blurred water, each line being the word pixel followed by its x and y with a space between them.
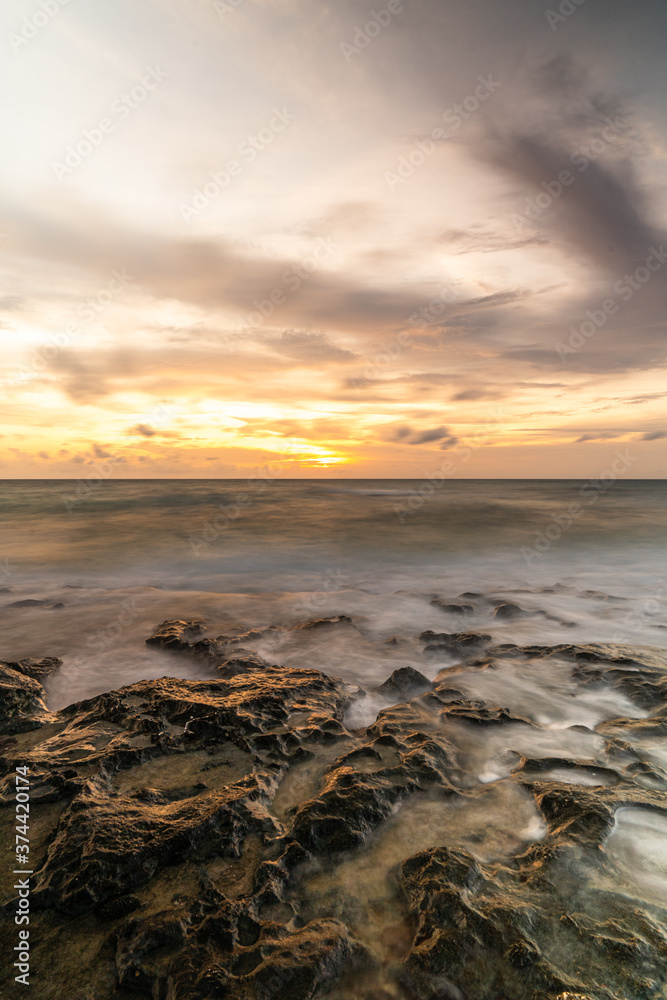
pixel 124 555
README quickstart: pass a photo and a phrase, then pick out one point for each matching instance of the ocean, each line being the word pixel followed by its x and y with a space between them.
pixel 89 568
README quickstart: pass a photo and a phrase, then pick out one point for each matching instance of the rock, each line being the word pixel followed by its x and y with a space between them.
pixel 182 637
pixel 231 839
pixel 37 669
pixel 107 845
pixel 319 623
pixel 455 609
pixel 515 931
pixel 351 803
pixel 176 634
pixel 404 683
pixel 453 643
pixel 22 704
pixel 507 612
pixel 242 662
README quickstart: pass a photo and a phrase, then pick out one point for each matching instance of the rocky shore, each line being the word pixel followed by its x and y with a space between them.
pixel 235 838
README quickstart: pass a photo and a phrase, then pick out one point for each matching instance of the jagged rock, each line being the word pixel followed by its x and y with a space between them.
pixel 454 643
pixel 22 704
pixel 471 710
pixel 318 623
pixel 176 634
pixel 107 844
pixel 516 931
pixel 182 637
pixel 242 662
pixel 37 669
pixel 231 839
pixel 352 803
pixel 406 682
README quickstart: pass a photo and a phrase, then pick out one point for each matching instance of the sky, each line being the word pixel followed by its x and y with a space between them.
pixel 310 239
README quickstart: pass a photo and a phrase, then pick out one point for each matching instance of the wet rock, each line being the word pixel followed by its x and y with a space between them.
pixel 107 845
pixel 453 643
pixel 306 962
pixel 508 612
pixel 176 634
pixel 38 669
pixel 455 609
pixel 352 803
pixel 478 712
pixel 646 686
pixel 322 623
pixel 243 662
pixel 178 830
pixel 404 683
pixel 22 704
pixel 516 931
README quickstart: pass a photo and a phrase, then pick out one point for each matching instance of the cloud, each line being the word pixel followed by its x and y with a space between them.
pixel 308 348
pixel 433 435
pixel 405 434
pixel 654 435
pixel 474 394
pixel 144 430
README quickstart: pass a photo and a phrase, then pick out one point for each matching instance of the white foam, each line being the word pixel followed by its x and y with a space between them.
pixel 637 847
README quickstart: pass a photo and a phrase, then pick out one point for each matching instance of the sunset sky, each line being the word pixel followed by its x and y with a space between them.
pixel 336 238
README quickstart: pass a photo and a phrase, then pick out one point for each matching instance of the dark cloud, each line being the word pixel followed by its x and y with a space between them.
pixel 449 442
pixel 405 434
pixel 654 435
pixel 474 394
pixel 433 435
